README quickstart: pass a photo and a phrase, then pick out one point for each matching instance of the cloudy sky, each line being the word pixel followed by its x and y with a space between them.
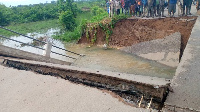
pixel 23 2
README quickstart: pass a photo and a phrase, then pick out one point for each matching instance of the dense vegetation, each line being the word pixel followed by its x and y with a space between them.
pixel 33 13
pixel 71 17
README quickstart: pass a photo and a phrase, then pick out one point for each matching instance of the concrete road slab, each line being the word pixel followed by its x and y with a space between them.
pixel 24 91
pixel 185 84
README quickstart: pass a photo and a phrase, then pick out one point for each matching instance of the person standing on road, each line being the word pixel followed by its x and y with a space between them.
pixel 117 7
pixel 108 6
pixel 185 6
pixel 180 7
pixel 141 8
pixel 126 7
pixel 198 5
pixel 157 8
pixel 132 7
pixel 122 5
pixel 190 6
pixel 139 4
pixel 144 2
pixel 137 7
pixel 111 8
pixel 154 7
pixel 150 8
pixel 172 7
pixel 161 8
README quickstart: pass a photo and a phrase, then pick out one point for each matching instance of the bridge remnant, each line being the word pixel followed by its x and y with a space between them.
pixel 11 52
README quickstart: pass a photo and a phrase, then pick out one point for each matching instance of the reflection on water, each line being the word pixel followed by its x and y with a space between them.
pixel 98 58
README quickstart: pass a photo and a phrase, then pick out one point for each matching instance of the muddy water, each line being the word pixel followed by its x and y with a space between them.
pixel 97 58
pixel 119 61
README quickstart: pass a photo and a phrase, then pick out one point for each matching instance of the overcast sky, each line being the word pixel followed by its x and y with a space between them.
pixel 23 2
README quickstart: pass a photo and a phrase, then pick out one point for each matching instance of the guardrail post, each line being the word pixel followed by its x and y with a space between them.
pixel 47 48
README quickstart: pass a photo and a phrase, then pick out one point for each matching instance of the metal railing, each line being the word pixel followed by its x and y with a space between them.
pixel 38 41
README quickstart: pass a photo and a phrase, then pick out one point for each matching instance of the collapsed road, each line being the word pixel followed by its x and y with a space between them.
pixel 134 93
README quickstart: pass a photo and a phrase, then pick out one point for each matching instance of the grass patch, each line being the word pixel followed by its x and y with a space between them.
pixel 24 28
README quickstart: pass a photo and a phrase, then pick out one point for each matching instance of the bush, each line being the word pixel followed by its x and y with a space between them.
pixel 98 14
pixel 67 20
pixel 96 10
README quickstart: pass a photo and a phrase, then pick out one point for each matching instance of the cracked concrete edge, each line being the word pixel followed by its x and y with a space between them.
pixel 33 99
pixel 155 81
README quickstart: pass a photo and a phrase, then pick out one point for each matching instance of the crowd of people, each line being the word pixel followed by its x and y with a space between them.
pixel 150 8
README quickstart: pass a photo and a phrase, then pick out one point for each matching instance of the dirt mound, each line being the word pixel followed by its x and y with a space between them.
pixel 128 32
pixel 131 31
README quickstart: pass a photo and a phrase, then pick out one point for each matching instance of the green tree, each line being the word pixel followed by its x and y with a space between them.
pixel 4 15
pixel 67 20
pixel 65 5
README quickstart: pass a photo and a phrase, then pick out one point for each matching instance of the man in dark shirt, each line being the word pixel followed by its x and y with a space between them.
pixel 185 6
pixel 126 7
pixel 150 8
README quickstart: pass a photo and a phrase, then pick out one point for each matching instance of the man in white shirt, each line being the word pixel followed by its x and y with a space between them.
pixel 117 7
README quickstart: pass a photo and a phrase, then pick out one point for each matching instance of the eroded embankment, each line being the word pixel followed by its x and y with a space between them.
pixel 131 91
pixel 131 31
